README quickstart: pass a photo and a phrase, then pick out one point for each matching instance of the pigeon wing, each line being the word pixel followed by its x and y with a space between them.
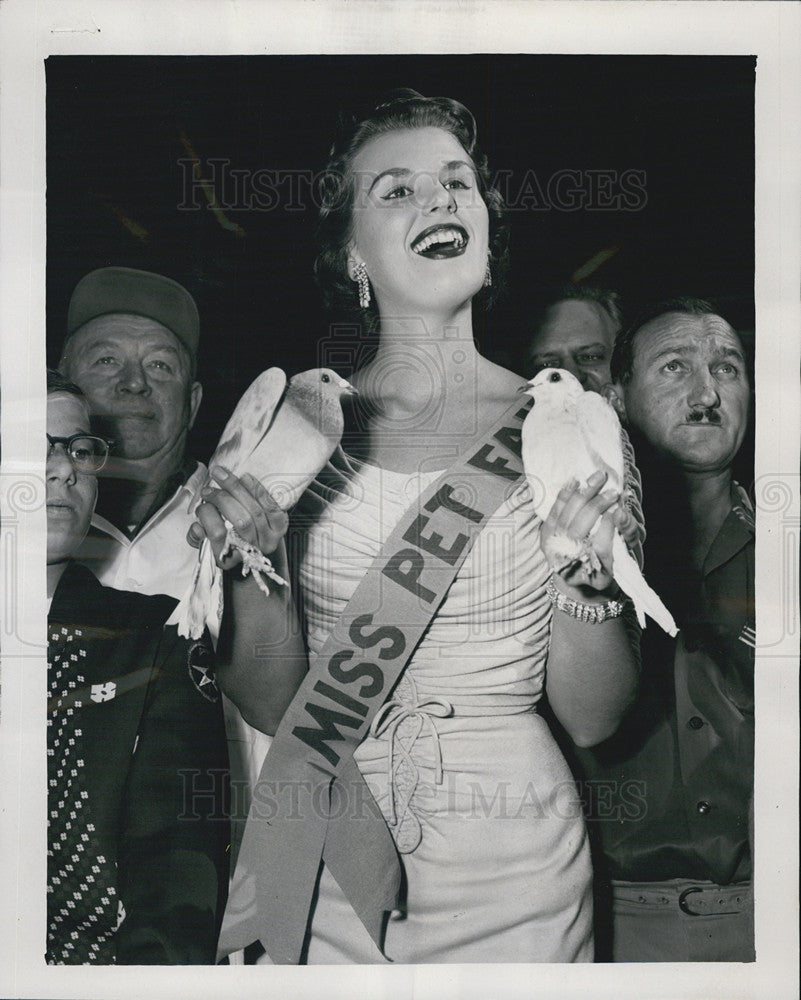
pixel 290 455
pixel 250 420
pixel 248 424
pixel 552 451
pixel 599 427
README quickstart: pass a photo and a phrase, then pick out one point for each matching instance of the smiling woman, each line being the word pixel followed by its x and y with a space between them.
pixel 435 790
pixel 456 171
pixel 410 221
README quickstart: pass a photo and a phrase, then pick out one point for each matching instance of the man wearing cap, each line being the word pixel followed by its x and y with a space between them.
pixel 131 346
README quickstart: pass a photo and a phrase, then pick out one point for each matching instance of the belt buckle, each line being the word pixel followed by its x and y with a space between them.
pixel 684 906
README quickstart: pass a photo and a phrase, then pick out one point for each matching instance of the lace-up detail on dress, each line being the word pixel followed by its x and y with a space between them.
pixel 402 721
pixel 465 706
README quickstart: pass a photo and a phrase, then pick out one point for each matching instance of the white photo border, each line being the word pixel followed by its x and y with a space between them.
pixel 29 32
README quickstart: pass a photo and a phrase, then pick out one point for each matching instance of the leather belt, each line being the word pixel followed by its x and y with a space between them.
pixel 696 899
pixel 702 902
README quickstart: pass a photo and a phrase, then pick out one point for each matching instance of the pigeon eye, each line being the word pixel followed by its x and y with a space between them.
pixel 325 378
pixel 555 377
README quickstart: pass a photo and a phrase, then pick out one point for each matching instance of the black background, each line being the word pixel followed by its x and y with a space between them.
pixel 114 129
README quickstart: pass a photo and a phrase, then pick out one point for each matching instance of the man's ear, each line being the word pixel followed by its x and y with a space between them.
pixel 613 394
pixel 195 396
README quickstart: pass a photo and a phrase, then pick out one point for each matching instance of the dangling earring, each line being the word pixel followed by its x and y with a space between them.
pixel 360 277
pixel 488 274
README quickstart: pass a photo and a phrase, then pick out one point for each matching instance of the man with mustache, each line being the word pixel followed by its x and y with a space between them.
pixel 670 796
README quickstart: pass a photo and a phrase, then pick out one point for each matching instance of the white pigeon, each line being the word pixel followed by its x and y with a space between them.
pixel 283 435
pixel 570 434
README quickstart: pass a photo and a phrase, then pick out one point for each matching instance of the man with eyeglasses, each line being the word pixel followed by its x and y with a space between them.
pixel 88 452
pixel 70 508
pixel 137 827
pixel 131 346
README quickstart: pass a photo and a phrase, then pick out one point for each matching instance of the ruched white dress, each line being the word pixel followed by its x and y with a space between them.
pixel 478 797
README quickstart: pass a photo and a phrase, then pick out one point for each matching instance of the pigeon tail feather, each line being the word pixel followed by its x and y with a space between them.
pixel 629 578
pixel 194 608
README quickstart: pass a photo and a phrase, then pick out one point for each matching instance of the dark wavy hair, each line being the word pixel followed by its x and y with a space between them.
pixel 402 109
pixel 56 382
pixel 607 298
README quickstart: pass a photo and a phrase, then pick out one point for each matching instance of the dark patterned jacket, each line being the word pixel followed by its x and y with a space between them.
pixel 137 767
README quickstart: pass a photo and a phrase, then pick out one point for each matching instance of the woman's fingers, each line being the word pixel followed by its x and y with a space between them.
pixel 277 519
pixel 581 512
pixel 230 508
pixel 269 520
pixel 248 507
pixel 195 535
pixel 626 524
pixel 587 516
pixel 237 502
pixel 575 511
pixel 573 497
pixel 562 497
pixel 213 527
pixel 598 575
pixel 602 538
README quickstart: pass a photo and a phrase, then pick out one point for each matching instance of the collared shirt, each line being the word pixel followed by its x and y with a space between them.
pixel 669 795
pixel 158 559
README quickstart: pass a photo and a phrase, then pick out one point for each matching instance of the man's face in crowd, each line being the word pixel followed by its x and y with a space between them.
pixel 577 336
pixel 71 495
pixel 137 377
pixel 689 393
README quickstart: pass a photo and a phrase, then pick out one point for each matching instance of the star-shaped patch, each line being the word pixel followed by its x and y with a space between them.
pixel 201 670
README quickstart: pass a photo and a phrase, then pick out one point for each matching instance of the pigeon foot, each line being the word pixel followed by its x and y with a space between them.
pixel 254 562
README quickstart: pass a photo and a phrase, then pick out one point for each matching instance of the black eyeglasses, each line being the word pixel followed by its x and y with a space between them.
pixel 87 453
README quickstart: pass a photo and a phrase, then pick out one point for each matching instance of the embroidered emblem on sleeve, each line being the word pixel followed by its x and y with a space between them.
pixel 743 508
pixel 201 670
pixel 748 635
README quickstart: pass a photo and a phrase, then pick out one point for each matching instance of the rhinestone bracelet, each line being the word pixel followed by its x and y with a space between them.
pixel 592 613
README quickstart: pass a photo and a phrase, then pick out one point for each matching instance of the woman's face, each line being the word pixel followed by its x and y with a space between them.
pixel 420 224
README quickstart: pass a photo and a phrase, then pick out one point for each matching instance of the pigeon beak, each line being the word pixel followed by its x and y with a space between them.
pixel 524 387
pixel 347 387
